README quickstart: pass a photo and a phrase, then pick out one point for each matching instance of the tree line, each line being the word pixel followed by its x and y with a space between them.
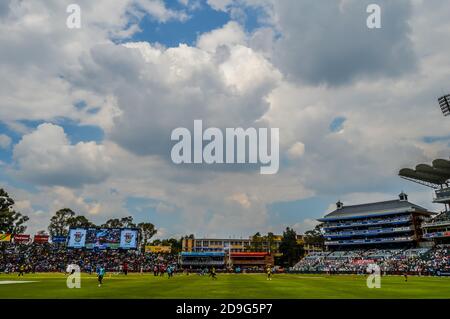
pixel 289 249
pixel 65 218
pixel 14 222
pixel 11 222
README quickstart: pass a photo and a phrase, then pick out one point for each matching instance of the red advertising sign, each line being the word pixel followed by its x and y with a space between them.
pixel 41 238
pixel 363 261
pixel 21 238
pixel 447 234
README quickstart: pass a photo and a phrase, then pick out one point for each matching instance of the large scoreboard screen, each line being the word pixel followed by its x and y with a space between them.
pixel 103 238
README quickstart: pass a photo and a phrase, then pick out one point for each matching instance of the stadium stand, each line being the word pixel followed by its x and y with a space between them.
pixel 436 176
pixel 420 261
pixel 389 234
pixel 392 224
pixel 53 257
pixel 203 259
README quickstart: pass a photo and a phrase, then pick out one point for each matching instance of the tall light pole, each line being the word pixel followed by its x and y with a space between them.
pixel 444 103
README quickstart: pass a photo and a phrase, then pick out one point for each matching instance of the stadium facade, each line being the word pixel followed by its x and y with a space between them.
pixel 244 253
pixel 202 259
pixel 215 244
pixel 232 245
pixel 220 252
pixel 438 229
pixel 221 259
pixel 436 176
pixel 387 225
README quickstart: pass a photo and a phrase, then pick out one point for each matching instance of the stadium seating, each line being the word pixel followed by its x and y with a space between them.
pixel 424 261
pixel 53 257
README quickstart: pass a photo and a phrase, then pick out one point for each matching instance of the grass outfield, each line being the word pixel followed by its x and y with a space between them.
pixel 239 286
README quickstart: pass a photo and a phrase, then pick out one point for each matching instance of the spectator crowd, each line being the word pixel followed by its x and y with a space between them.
pixel 50 257
pixel 435 261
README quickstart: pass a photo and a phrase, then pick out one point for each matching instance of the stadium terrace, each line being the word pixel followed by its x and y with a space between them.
pixel 393 224
pixel 400 236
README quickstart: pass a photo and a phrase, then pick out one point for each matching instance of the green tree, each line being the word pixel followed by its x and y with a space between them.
pixel 112 223
pixel 64 219
pixel 291 250
pixel 60 222
pixel 174 243
pixel 146 231
pixel 81 222
pixel 314 237
pixel 270 239
pixel 156 242
pixel 127 222
pixel 124 222
pixel 256 243
pixel 10 221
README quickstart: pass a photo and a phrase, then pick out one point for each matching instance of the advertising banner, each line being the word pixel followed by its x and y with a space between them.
pixel 363 261
pixel 158 249
pixel 128 239
pixel 21 238
pixel 103 238
pixel 59 239
pixel 77 238
pixel 41 239
pixel 5 237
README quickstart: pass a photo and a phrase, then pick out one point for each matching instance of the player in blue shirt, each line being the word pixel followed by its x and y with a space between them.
pixel 100 274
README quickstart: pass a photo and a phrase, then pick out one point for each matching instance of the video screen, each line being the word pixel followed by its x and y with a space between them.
pixel 77 238
pixel 103 238
pixel 128 239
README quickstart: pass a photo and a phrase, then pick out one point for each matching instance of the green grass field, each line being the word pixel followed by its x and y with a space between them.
pixel 226 286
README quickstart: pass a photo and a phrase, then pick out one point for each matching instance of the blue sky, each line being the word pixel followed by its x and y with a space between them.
pixel 202 18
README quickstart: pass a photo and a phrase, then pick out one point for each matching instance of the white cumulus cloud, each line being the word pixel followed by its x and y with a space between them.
pixel 46 157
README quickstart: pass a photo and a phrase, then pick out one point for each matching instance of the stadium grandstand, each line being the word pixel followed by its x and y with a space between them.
pixel 220 260
pixel 202 259
pixel 233 245
pixel 415 261
pixel 215 244
pixel 397 235
pixel 245 260
pixel 54 257
pixel 435 176
pixel 243 253
pixel 388 224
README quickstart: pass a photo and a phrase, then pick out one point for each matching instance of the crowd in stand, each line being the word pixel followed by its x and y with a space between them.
pixel 434 261
pixel 55 258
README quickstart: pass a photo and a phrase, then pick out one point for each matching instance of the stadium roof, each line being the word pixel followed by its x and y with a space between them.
pixel 433 176
pixel 374 209
pixel 444 103
pixel 202 254
pixel 249 254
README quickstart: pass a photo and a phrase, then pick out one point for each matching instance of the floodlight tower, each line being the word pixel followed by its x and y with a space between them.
pixel 444 103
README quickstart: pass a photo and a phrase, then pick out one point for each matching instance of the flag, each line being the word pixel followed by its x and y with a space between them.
pixel 5 237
